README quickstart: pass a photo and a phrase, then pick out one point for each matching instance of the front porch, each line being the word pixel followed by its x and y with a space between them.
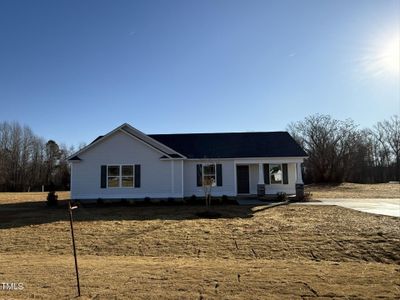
pixel 266 178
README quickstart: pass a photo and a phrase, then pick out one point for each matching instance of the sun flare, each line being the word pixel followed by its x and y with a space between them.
pixel 382 59
pixel 390 56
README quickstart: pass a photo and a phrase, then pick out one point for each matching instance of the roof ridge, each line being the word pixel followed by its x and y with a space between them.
pixel 235 132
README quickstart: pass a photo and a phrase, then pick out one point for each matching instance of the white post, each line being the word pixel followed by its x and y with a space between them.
pixel 234 177
pixel 299 178
pixel 182 171
pixel 260 174
pixel 172 177
pixel 260 184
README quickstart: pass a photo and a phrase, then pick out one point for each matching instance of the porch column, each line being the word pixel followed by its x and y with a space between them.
pixel 260 174
pixel 260 184
pixel 299 178
pixel 299 183
pixel 172 177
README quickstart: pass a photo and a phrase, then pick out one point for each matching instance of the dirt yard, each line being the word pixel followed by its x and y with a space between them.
pixel 354 190
pixel 154 252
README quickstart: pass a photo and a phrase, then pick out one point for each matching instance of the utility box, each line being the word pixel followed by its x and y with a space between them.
pixel 260 190
pixel 299 191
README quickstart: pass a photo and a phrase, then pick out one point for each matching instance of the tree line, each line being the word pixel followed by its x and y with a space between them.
pixel 340 151
pixel 28 162
pixel 337 151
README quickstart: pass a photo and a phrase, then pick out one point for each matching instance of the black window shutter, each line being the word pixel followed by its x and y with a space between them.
pixel 103 177
pixel 199 175
pixel 266 173
pixel 137 176
pixel 285 174
pixel 219 175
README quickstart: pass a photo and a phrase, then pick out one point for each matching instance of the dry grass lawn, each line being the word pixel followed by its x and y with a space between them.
pixel 6 198
pixel 354 190
pixel 155 252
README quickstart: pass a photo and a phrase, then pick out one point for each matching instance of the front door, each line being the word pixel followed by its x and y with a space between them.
pixel 242 179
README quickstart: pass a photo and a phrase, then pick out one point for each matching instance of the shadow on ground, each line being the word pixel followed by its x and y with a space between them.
pixel 37 212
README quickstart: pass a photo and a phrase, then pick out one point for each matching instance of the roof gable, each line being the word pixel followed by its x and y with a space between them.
pixel 134 133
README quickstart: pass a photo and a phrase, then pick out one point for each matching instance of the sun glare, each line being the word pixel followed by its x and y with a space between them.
pixel 382 58
pixel 390 56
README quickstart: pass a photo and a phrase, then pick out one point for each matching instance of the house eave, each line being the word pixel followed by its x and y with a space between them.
pixel 169 159
pixel 251 158
pixel 74 159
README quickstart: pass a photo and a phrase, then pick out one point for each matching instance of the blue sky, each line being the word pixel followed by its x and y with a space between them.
pixel 72 70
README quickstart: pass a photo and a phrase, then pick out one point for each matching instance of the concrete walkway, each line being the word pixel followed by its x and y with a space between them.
pixel 387 207
pixel 256 202
pixel 252 202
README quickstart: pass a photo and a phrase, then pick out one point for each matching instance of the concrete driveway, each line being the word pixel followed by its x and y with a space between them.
pixel 387 207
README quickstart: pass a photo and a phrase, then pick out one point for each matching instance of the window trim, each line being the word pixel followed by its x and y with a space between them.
pixel 215 173
pixel 120 176
pixel 270 175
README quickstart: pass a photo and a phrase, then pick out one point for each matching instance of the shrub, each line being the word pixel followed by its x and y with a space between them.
pixel 306 197
pixel 192 199
pixel 281 196
pixel 147 199
pixel 52 198
pixel 100 201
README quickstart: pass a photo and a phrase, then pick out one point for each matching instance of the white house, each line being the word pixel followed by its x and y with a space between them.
pixel 128 164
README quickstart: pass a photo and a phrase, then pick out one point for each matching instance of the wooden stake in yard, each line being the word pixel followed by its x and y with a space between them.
pixel 70 208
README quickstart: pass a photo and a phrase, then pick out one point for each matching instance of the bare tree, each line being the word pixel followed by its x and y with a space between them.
pixel 208 183
pixel 388 135
pixel 26 162
pixel 329 144
pixel 338 151
pixel 52 160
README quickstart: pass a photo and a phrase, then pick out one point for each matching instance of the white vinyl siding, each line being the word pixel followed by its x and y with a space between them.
pixel 159 178
pixel 190 178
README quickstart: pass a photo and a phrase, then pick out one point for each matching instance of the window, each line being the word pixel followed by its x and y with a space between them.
pixel 120 176
pixel 275 173
pixel 127 176
pixel 113 176
pixel 209 174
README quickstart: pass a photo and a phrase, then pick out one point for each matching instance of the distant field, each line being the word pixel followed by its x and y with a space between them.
pixel 354 190
pixel 155 252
